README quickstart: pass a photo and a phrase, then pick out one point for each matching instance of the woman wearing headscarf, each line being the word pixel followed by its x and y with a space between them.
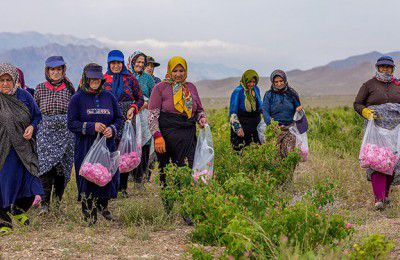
pixel 280 104
pixel 54 140
pixel 125 88
pixel 175 108
pixel 19 166
pixel 93 111
pixel 21 82
pixel 136 64
pixel 380 97
pixel 245 111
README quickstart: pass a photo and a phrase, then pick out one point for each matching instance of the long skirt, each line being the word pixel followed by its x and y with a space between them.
pixel 249 122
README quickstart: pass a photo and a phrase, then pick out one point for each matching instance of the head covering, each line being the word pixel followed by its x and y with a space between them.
pixel 117 78
pixel 250 100
pixel 94 71
pixel 152 61
pixel 84 82
pixel 183 101
pixel 21 79
pixel 132 60
pixel 115 55
pixel 287 89
pixel 385 60
pixel 7 68
pixel 55 61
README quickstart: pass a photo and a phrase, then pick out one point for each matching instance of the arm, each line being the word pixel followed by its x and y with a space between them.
pixel 37 96
pixel 151 84
pixel 118 118
pixel 155 106
pixel 266 109
pixel 199 113
pixel 74 123
pixel 35 112
pixel 137 95
pixel 361 98
pixel 233 111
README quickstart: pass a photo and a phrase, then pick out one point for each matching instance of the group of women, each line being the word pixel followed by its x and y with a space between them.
pixel 44 132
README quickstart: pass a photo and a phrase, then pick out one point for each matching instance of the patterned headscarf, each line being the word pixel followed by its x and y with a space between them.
pixel 250 96
pixel 132 60
pixel 84 82
pixel 7 68
pixel 287 89
pixel 183 101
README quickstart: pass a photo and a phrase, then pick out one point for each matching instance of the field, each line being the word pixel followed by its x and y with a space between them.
pixel 255 207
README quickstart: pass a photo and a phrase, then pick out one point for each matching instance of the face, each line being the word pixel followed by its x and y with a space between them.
pixel 149 69
pixel 139 64
pixel 56 73
pixel 6 84
pixel 279 82
pixel 385 69
pixel 251 83
pixel 94 83
pixel 116 66
pixel 178 74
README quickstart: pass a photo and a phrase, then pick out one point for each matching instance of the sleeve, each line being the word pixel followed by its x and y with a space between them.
pixel 118 118
pixel 361 98
pixel 199 113
pixel 155 105
pixel 266 109
pixel 233 111
pixel 137 94
pixel 37 96
pixel 74 123
pixel 151 85
pixel 35 112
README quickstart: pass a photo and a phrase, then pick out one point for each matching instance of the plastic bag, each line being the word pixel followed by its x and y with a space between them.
pixel 262 126
pixel 301 142
pixel 203 164
pixel 379 150
pixel 99 165
pixel 130 146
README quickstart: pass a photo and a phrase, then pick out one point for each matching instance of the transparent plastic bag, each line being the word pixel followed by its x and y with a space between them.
pixel 262 126
pixel 379 149
pixel 203 164
pixel 99 165
pixel 301 142
pixel 130 146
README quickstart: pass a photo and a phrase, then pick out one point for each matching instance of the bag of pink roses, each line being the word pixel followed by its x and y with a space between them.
pixel 130 146
pixel 301 142
pixel 203 164
pixel 99 165
pixel 379 148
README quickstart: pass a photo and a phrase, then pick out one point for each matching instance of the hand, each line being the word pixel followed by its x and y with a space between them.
pixel 108 133
pixel 368 114
pixel 240 132
pixel 159 145
pixel 202 122
pixel 28 133
pixel 99 127
pixel 145 105
pixel 131 113
pixel 299 108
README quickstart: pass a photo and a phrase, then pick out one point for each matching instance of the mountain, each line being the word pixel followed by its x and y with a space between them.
pixel 31 60
pixel 341 77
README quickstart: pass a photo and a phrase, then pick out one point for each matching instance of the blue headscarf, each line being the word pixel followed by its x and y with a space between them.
pixel 118 81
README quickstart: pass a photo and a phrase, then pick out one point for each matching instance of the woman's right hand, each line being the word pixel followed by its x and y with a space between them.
pixel 240 132
pixel 99 127
pixel 159 145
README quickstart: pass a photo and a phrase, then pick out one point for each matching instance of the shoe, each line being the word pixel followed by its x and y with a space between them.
pixel 44 210
pixel 379 206
pixel 387 202
pixel 124 194
pixel 107 215
pixel 5 231
pixel 22 219
pixel 188 221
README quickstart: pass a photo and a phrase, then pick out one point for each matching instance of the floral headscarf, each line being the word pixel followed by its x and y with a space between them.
pixel 132 60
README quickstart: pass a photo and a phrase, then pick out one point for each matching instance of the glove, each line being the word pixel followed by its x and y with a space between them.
pixel 159 145
pixel 368 113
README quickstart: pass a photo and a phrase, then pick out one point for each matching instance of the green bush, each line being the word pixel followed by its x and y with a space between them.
pixel 375 246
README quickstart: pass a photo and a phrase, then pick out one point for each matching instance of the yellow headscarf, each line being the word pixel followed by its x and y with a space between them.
pixel 182 97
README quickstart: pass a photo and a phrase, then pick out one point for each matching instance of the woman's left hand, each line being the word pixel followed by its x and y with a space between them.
pixel 202 122
pixel 108 132
pixel 299 108
pixel 131 113
pixel 28 133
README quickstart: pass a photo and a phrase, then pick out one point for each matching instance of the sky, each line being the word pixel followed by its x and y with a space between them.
pixel 258 34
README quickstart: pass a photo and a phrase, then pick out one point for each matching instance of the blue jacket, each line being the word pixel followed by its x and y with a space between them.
pixel 238 99
pixel 279 106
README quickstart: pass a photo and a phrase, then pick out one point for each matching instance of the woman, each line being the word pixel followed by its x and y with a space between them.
pixel 136 64
pixel 175 108
pixel 373 95
pixel 55 141
pixel 151 65
pixel 245 111
pixel 93 111
pixel 280 104
pixel 19 166
pixel 126 90
pixel 21 82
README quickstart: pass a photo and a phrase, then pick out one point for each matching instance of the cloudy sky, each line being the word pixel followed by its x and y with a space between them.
pixel 260 34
